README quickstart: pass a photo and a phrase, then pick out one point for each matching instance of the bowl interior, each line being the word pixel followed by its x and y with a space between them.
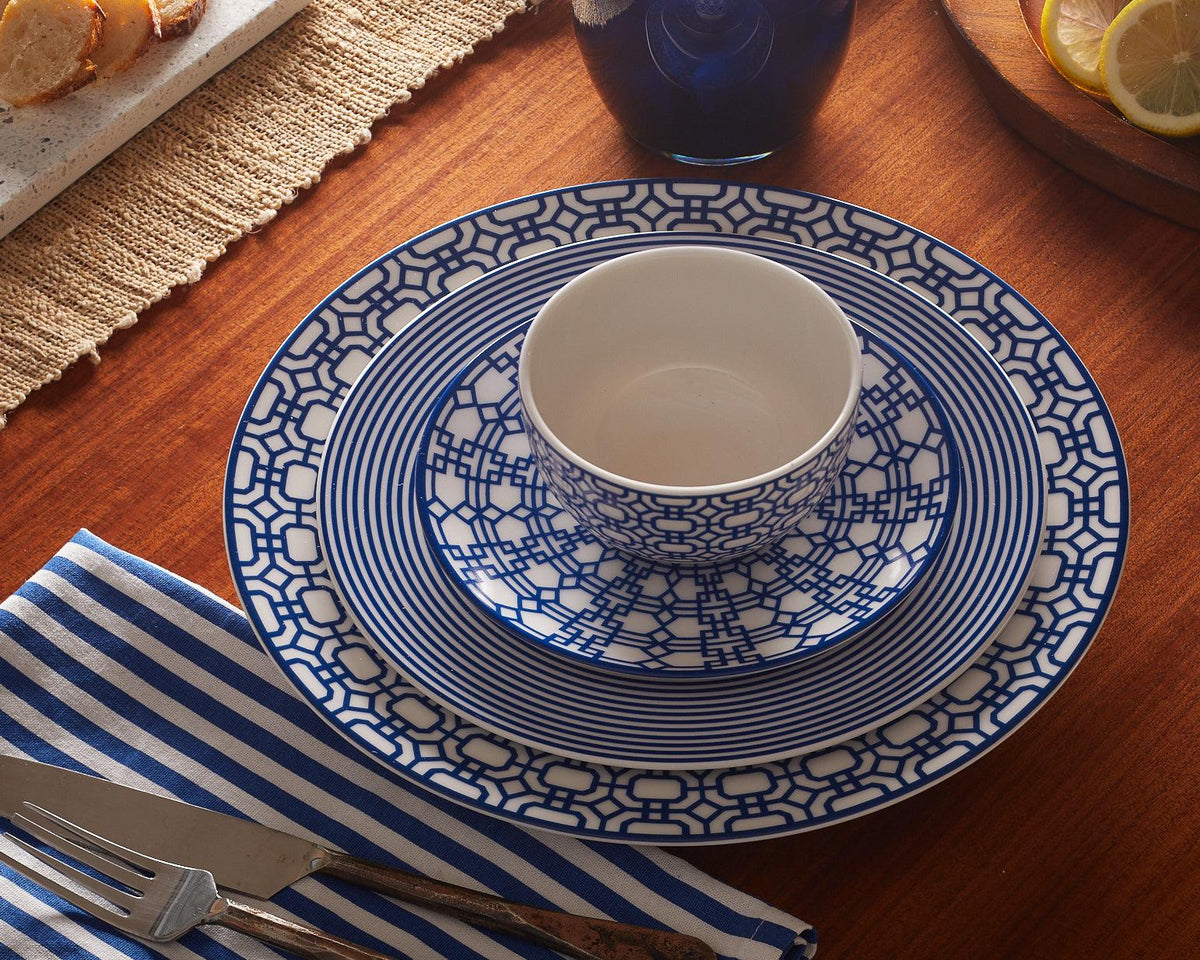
pixel 689 367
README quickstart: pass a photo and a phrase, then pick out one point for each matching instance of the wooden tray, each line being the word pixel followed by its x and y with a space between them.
pixel 1001 40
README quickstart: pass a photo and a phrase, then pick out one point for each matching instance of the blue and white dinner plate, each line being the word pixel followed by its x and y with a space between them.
pixel 285 585
pixel 395 589
pixel 499 531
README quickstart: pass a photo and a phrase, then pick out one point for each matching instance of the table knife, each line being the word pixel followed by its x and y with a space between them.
pixel 259 861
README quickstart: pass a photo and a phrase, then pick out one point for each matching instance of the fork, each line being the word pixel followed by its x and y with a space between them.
pixel 153 899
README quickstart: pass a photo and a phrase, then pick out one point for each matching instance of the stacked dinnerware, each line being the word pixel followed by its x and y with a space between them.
pixel 445 580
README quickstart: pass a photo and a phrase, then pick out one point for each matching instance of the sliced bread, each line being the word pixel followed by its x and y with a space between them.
pixel 130 26
pixel 46 47
pixel 179 17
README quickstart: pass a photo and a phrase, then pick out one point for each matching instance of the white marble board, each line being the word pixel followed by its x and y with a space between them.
pixel 45 148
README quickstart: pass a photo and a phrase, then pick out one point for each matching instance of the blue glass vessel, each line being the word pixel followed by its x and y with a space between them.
pixel 713 81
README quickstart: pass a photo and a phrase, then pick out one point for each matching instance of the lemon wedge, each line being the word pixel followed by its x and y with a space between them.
pixel 1150 63
pixel 1072 31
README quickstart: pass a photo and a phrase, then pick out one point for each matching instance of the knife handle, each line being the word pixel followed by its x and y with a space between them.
pixel 298 938
pixel 585 938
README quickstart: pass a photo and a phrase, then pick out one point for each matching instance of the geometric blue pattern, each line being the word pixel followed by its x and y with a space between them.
pixel 500 531
pixel 394 587
pixel 691 528
pixel 285 586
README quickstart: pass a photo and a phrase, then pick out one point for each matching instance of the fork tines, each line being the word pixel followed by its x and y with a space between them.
pixel 126 871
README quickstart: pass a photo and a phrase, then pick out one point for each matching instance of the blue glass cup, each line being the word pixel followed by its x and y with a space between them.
pixel 713 82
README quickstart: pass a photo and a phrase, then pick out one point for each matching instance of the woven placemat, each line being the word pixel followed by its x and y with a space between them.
pixel 220 163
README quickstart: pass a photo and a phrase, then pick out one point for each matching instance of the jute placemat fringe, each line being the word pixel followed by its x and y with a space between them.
pixel 220 163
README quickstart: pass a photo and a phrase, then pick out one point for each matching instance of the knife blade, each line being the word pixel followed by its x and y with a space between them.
pixel 260 861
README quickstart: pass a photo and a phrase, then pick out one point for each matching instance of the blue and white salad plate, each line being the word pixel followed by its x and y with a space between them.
pixel 499 531
pixel 285 585
pixel 394 587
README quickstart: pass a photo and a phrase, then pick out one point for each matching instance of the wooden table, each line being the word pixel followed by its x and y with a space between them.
pixel 1077 837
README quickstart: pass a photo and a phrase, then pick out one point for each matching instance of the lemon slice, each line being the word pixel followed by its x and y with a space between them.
pixel 1150 63
pixel 1072 31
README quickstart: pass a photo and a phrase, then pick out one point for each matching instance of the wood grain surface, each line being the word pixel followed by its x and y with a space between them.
pixel 1001 40
pixel 1079 836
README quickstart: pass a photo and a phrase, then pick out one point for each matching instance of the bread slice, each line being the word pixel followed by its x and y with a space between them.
pixel 130 26
pixel 179 17
pixel 45 48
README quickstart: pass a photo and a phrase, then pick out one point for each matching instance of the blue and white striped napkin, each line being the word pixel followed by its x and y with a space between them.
pixel 114 666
